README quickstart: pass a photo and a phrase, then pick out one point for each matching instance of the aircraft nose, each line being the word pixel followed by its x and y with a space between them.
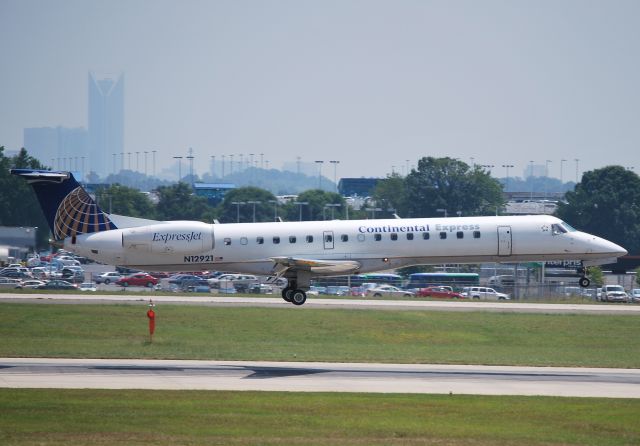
pixel 610 247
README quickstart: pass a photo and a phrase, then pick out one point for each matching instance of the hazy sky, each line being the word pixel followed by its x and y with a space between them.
pixel 369 83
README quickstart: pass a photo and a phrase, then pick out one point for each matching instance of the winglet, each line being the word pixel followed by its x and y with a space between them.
pixel 68 208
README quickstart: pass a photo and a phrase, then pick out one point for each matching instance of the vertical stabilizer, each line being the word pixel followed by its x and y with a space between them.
pixel 68 208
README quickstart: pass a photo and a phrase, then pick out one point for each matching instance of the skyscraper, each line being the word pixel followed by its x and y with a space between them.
pixel 106 121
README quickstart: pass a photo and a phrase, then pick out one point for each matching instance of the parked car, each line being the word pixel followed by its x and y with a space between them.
pixel 9 282
pixel 388 290
pixel 138 279
pixel 614 293
pixel 31 283
pixel 87 286
pixel 108 277
pixel 239 281
pixel 57 284
pixel 338 291
pixel 316 290
pixel 187 280
pixel 480 292
pixel 635 295
pixel 439 292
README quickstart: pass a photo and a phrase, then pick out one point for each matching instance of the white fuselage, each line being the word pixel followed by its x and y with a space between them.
pixel 375 244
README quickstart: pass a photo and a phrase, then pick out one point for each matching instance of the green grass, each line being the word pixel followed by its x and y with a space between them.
pixel 304 334
pixel 106 417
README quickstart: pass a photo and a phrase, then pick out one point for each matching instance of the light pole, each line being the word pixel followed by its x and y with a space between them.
pixel 442 210
pixel 507 166
pixel 300 204
pixel 561 166
pixel 320 163
pixel 577 161
pixel 190 158
pixel 333 206
pixel 546 180
pixel 137 161
pixel 153 152
pixel 275 209
pixel 335 169
pixel 231 164
pixel 145 162
pixel 223 156
pixel 254 208
pixel 213 166
pixel 179 158
pixel 487 166
pixel 531 179
pixel 238 203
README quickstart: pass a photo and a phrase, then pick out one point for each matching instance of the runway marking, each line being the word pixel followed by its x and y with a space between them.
pixel 318 377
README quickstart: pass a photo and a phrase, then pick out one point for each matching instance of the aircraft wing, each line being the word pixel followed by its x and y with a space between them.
pixel 320 267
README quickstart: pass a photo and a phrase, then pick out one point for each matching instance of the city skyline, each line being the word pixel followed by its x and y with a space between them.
pixel 373 85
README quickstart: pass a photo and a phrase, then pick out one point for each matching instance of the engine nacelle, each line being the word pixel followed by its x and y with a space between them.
pixel 170 238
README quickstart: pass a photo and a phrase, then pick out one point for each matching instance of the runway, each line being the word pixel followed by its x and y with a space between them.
pixel 317 377
pixel 315 302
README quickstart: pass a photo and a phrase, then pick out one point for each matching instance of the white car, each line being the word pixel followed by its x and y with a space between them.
pixel 635 295
pixel 8 282
pixel 480 292
pixel 108 277
pixel 388 290
pixel 614 293
pixel 240 281
pixel 87 286
pixel 32 283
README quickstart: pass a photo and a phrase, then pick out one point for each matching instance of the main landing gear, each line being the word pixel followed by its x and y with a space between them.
pixel 293 295
pixel 584 280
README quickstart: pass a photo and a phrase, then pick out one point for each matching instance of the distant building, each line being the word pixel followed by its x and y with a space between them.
pixel 58 147
pixel 361 187
pixel 106 123
pixel 16 242
pixel 213 192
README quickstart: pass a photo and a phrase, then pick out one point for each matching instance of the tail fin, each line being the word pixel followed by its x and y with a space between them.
pixel 67 206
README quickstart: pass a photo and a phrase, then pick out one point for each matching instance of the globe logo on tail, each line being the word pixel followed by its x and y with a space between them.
pixel 79 214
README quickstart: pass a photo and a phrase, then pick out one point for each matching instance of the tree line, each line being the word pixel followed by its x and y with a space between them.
pixel 606 202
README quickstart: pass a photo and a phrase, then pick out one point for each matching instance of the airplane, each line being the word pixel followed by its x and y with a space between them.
pixel 299 251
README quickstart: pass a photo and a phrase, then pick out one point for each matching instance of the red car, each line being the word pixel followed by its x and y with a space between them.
pixel 440 292
pixel 138 279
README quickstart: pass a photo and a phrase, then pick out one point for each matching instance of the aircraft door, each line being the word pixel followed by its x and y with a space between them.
pixel 327 239
pixel 504 240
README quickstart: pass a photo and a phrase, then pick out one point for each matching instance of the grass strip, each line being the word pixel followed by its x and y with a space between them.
pixel 341 335
pixel 107 417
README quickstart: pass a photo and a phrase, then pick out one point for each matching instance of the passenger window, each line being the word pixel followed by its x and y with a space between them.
pixel 394 236
pixel 425 236
pixel 292 239
pixel 377 237
pixel 243 240
pixel 227 241
pixel 260 240
pixel 476 234
pixel 276 240
pixel 409 235
pixel 309 238
pixel 443 235
pixel 361 237
pixel 460 234
pixel 344 237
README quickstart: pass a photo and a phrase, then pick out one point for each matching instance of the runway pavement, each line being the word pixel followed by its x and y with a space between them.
pixel 315 302
pixel 317 377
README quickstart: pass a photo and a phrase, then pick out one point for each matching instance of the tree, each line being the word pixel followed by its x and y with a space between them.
pixel 177 202
pixel 596 275
pixel 446 183
pixel 18 202
pixel 230 212
pixel 391 193
pixel 317 206
pixel 123 200
pixel 606 203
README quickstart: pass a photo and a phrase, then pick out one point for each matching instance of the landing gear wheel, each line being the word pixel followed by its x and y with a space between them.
pixel 584 282
pixel 287 294
pixel 298 297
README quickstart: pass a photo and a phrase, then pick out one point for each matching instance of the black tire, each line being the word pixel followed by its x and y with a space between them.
pixel 287 294
pixel 584 282
pixel 298 297
pixel 125 284
pixel 377 295
pixel 107 281
pixel 149 284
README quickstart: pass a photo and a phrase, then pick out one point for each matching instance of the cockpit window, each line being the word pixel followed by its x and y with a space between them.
pixel 568 227
pixel 557 229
